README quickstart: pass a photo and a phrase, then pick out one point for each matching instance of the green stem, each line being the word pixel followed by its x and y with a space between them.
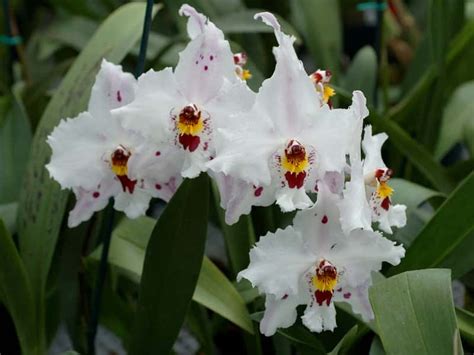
pixel 145 36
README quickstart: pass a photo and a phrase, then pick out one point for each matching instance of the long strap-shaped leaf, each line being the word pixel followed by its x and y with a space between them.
pixel 415 313
pixel 16 295
pixel 452 223
pixel 170 272
pixel 42 202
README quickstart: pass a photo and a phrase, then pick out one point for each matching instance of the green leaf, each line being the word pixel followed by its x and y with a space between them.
pixel 319 22
pixel 345 342
pixel 42 203
pixel 466 325
pixel 171 268
pixel 411 194
pixel 8 214
pixel 15 140
pixel 414 312
pixel 457 124
pixel 213 290
pixel 16 295
pixel 361 74
pixel 452 223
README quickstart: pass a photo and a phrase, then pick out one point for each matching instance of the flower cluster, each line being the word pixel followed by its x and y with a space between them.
pixel 286 144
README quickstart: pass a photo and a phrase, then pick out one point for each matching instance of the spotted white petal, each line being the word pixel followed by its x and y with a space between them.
pixel 394 217
pixel 205 62
pixel 279 313
pixel 133 204
pixel 113 88
pixel 357 298
pixel 277 263
pixel 90 201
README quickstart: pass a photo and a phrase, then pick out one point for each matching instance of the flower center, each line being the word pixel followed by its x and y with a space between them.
pixel 321 79
pixel 240 59
pixel 295 161
pixel 189 125
pixel 324 282
pixel 384 191
pixel 119 165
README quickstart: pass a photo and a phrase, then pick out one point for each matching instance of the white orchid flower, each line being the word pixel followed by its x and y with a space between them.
pixel 98 158
pixel 287 141
pixel 184 107
pixel 367 197
pixel 314 263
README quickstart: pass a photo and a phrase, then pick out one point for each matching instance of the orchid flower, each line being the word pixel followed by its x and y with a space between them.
pixel 314 263
pixel 367 197
pixel 287 140
pixel 183 108
pixel 97 158
pixel 321 79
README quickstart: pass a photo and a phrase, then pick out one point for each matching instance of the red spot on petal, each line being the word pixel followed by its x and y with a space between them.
pixel 196 62
pixel 324 220
pixel 258 191
pixel 211 57
pixel 119 96
pixel 158 153
pixel 285 296
pixel 189 141
pixel 347 295
pixel 322 296
pixel 385 203
pixel 158 186
pixel 127 184
pixel 96 194
pixel 206 67
pixel 295 180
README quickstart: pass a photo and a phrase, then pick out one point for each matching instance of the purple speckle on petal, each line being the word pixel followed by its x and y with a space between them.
pixel 197 62
pixel 158 153
pixel 206 67
pixel 347 295
pixel 211 57
pixel 96 194
pixel 119 96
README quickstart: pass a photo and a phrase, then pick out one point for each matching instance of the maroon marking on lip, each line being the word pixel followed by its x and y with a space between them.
pixel 189 141
pixel 322 296
pixel 295 180
pixel 127 184
pixel 385 203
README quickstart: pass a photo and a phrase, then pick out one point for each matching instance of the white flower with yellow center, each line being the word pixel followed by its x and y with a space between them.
pixel 183 107
pixel 98 158
pixel 287 141
pixel 314 263
pixel 368 195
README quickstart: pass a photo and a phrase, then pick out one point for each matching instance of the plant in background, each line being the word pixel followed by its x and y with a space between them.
pixel 333 271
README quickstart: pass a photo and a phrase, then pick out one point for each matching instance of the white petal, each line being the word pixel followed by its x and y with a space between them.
pixel 133 205
pixel 358 298
pixel 394 217
pixel 279 313
pixel 88 202
pixel 78 147
pixel 334 181
pixel 291 199
pixel 278 262
pixel 205 61
pixel 354 207
pixel 237 196
pixel 320 225
pixel 112 88
pixel 288 97
pixel 372 146
pixel 319 318
pixel 151 111
pixel 362 253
